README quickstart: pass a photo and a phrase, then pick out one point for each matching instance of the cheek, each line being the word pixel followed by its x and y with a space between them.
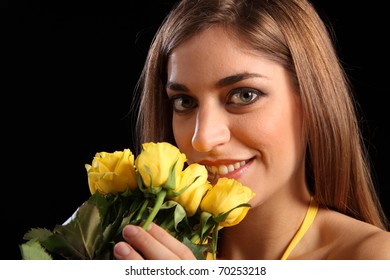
pixel 284 135
pixel 277 129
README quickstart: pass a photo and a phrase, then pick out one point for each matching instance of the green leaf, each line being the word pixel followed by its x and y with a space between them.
pixel 171 214
pixel 173 193
pixel 32 250
pixel 214 241
pixel 62 246
pixel 179 215
pixel 107 205
pixel 223 216
pixel 171 181
pixel 169 204
pixel 206 224
pixel 197 249
pixel 80 238
pixel 40 234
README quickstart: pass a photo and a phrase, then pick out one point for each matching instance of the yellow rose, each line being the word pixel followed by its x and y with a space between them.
pixel 112 172
pixel 155 162
pixel 194 184
pixel 224 196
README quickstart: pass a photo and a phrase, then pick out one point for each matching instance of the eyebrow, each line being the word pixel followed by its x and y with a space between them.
pixel 176 87
pixel 221 83
pixel 236 78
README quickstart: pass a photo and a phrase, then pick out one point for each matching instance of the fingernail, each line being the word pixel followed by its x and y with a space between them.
pixel 122 250
pixel 130 231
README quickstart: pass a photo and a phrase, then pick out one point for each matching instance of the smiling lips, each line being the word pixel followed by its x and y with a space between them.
pixel 225 169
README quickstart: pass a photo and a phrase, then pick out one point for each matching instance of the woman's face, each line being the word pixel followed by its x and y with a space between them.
pixel 237 113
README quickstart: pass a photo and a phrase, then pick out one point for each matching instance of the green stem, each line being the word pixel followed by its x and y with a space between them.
pixel 204 233
pixel 142 209
pixel 157 205
pixel 195 238
pixel 215 241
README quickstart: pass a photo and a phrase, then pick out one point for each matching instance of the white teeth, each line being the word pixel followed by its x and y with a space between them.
pixel 222 169
pixel 225 169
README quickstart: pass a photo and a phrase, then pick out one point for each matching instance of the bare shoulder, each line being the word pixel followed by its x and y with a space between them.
pixel 376 246
pixel 349 238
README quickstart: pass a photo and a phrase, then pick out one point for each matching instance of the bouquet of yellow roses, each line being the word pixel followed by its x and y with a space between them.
pixel 156 187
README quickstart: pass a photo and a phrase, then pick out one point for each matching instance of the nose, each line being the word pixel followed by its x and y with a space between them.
pixel 211 128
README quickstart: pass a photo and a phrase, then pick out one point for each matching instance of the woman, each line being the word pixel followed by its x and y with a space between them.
pixel 253 89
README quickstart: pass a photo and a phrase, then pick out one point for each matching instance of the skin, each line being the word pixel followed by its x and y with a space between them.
pixel 233 105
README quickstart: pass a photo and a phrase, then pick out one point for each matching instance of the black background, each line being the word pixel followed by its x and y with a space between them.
pixel 68 72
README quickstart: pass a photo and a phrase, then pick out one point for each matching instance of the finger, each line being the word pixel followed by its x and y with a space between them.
pixel 123 251
pixel 164 237
pixel 146 244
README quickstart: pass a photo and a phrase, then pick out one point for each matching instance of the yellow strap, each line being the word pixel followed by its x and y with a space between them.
pixel 307 221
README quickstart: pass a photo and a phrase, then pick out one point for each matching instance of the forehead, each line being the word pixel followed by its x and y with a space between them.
pixel 212 41
pixel 217 53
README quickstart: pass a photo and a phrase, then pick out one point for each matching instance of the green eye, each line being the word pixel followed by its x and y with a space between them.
pixel 182 103
pixel 243 96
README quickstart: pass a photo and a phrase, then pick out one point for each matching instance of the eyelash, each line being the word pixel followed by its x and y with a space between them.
pixel 255 94
pixel 233 98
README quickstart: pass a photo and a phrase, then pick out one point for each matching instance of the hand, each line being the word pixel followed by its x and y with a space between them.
pixel 155 243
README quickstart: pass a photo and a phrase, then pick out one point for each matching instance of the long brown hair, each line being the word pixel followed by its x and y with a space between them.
pixel 289 32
